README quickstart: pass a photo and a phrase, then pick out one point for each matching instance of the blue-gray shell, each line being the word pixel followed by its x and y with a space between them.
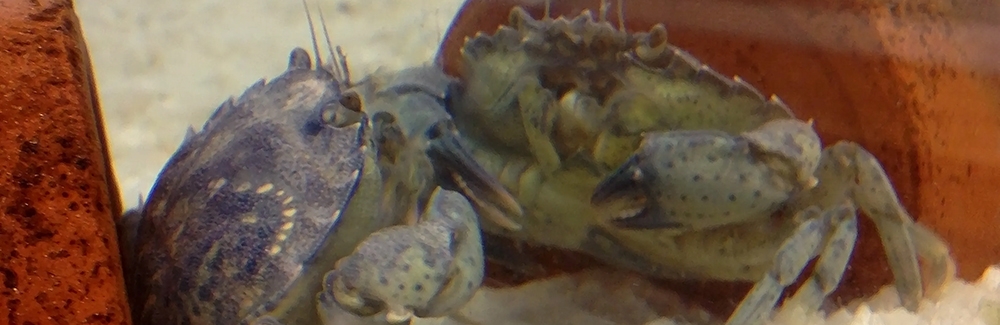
pixel 243 204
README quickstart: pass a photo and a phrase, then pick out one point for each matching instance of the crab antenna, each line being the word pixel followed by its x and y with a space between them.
pixel 343 65
pixel 312 31
pixel 548 8
pixel 335 65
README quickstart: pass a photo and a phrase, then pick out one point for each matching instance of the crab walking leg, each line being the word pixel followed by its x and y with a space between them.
pixel 849 171
pixel 810 238
pixel 941 268
pixel 876 197
pixel 832 261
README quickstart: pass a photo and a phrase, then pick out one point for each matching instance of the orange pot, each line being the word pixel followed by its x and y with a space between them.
pixel 59 261
pixel 915 82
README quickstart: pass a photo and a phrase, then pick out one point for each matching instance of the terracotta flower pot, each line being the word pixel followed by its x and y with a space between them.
pixel 916 82
pixel 59 260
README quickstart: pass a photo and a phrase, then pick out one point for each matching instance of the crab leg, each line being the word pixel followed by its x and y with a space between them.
pixel 832 261
pixel 829 232
pixel 934 252
pixel 849 171
pixel 876 197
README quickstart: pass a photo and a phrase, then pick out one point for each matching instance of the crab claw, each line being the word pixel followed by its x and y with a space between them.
pixel 627 192
pixel 697 179
pixel 430 269
pixel 484 191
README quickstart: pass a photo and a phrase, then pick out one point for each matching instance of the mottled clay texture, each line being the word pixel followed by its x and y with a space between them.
pixel 59 259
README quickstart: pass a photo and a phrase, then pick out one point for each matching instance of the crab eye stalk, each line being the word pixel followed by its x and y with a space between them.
pixel 344 111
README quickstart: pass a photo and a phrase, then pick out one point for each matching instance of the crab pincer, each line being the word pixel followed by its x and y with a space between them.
pixel 777 174
pixel 699 179
pixel 430 269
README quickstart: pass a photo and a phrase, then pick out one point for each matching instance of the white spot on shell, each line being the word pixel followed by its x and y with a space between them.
pixel 217 184
pixel 265 188
pixel 275 249
pixel 354 174
pixel 280 193
pixel 287 200
pixel 243 187
pixel 282 237
pixel 249 219
pixel 335 215
pixel 289 212
pixel 287 226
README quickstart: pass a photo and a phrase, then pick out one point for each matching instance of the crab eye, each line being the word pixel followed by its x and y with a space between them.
pixel 351 101
pixel 343 111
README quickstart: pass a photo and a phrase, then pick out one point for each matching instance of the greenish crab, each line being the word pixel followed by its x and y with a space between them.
pixel 625 147
pixel 311 195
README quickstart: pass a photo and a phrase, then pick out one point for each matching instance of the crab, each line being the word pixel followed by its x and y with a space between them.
pixel 270 214
pixel 625 147
pixel 228 233
pixel 229 223
pixel 312 195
